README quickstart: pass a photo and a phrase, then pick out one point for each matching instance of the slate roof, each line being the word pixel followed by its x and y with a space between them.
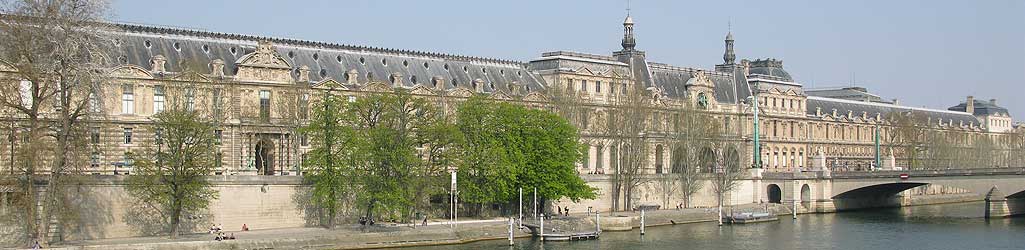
pixel 843 106
pixel 673 81
pixel 770 67
pixel 982 108
pixel 847 93
pixel 326 60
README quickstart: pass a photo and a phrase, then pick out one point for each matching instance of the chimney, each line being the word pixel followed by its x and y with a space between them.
pixel 896 102
pixel 438 82
pixel 993 102
pixel 304 73
pixel 217 67
pixel 157 63
pixel 478 85
pixel 970 105
pixel 396 80
pixel 351 76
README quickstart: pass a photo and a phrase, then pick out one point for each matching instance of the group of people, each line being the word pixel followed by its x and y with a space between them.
pixel 218 231
pixel 365 221
pixel 562 211
pixel 597 171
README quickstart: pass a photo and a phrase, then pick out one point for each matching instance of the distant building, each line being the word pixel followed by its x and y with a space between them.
pixel 259 88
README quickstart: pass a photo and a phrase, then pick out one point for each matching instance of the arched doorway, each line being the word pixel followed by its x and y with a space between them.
pixel 264 152
pixel 805 193
pixel 775 194
pixel 806 196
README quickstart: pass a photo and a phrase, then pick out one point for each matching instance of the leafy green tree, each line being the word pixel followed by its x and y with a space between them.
pixel 508 146
pixel 171 179
pixel 331 157
pixel 390 168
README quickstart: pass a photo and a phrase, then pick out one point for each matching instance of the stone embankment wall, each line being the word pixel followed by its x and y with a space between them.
pixel 108 211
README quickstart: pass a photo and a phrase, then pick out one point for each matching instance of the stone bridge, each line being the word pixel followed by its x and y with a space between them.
pixel 1003 188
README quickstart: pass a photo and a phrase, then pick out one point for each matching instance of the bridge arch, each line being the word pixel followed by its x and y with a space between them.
pixel 774 193
pixel 884 189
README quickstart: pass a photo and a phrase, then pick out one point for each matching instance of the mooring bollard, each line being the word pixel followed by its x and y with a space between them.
pixel 511 231
pixel 542 232
pixel 597 222
pixel 642 221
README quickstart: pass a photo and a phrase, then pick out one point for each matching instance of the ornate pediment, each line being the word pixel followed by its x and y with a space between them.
pixel 377 87
pixel 535 97
pixel 500 95
pixel 461 92
pixel 191 77
pixel 585 71
pixel 330 84
pixel 131 71
pixel 699 78
pixel 420 89
pixel 264 64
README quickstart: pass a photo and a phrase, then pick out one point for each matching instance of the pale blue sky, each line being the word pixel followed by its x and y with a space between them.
pixel 929 53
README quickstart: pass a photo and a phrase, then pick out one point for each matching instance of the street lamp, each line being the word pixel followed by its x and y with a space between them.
pixel 757 146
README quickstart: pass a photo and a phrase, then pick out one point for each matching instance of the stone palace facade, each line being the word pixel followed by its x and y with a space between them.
pixel 260 87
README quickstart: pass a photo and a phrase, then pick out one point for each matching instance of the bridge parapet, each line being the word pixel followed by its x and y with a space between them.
pixel 929 173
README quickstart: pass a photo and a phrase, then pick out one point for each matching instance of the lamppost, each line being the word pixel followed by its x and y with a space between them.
pixel 757 145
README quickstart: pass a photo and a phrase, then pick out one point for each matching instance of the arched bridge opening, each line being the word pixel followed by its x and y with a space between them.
pixel 874 196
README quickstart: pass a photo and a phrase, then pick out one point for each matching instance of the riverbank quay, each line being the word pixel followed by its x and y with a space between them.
pixel 384 236
pixel 439 232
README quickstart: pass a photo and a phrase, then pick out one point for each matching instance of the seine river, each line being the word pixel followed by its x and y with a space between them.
pixel 950 226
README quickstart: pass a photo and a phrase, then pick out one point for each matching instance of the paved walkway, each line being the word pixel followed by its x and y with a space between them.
pixel 385 235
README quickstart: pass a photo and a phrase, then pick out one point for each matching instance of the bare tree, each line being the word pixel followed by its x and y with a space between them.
pixel 628 132
pixel 691 133
pixel 59 50
pixel 728 169
pixel 908 133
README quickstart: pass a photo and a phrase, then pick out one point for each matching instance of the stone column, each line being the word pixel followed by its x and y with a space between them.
pixel 996 204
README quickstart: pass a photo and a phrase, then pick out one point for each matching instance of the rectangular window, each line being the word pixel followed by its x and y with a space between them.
pixel 25 91
pixel 304 106
pixel 128 136
pixel 219 135
pixel 217 106
pixel 569 85
pixel 600 164
pixel 190 99
pixel 128 161
pixel 583 85
pixel 597 86
pixel 264 105
pixel 304 140
pixel 158 99
pixel 94 159
pixel 94 135
pixel 94 102
pixel 612 88
pixel 127 99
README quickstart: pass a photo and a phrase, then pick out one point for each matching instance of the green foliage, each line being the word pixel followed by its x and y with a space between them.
pixel 507 146
pixel 383 153
pixel 170 180
pixel 331 157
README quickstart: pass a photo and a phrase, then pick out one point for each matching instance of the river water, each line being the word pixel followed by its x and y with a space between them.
pixel 949 226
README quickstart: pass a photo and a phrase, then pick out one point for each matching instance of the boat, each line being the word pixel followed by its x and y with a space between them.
pixel 745 218
pixel 536 231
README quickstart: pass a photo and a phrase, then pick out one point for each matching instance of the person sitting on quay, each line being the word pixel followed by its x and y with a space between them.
pixel 245 227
